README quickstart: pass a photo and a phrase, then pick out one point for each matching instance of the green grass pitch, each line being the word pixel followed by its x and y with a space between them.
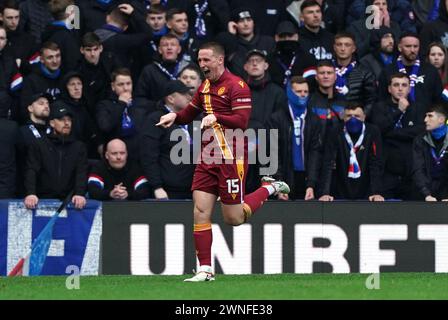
pixel 230 287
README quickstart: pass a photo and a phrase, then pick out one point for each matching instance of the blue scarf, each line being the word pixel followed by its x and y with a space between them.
pixel 341 77
pixel 49 74
pixel 60 23
pixel 104 2
pixel 112 28
pixel 298 103
pixel 161 32
pixel 436 168
pixel 439 132
pixel 199 26
pixel 434 14
pixel 412 76
pixel 157 35
pixel 386 58
pixel 297 110
pixel 185 37
pixel 127 125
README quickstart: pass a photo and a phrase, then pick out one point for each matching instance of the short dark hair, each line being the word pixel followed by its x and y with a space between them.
pixel 120 72
pixel 215 46
pixel 324 63
pixel 156 9
pixel 353 105
pixel 57 8
pixel 309 3
pixel 409 34
pixel 398 75
pixel 90 39
pixel 344 34
pixel 193 67
pixel 10 4
pixel 298 80
pixel 49 46
pixel 119 16
pixel 171 12
pixel 440 107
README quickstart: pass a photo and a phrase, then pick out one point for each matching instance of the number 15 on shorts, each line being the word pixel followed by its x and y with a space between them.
pixel 233 186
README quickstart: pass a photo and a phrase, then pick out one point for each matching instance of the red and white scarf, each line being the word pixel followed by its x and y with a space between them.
pixel 354 170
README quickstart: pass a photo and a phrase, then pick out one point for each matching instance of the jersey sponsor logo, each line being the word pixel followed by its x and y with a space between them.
pixel 241 83
pixel 221 91
pixel 243 100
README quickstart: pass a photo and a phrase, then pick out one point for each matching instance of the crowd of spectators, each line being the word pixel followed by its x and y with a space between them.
pixel 357 90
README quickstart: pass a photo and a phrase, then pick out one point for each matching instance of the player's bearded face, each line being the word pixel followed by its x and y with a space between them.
pixel 211 65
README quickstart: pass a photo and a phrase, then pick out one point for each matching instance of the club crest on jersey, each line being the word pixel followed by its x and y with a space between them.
pixel 221 91
pixel 241 83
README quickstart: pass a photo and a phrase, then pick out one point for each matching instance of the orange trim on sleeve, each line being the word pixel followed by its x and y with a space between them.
pixel 202 227
pixel 241 107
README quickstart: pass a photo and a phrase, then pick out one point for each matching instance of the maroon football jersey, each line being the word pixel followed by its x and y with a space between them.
pixel 228 94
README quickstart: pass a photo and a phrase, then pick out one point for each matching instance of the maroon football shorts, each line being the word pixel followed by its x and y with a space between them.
pixel 224 180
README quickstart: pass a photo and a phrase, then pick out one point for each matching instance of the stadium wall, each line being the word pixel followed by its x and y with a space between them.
pixel 144 238
pixel 286 237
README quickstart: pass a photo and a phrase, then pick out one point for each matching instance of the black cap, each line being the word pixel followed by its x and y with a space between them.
pixel 261 53
pixel 39 95
pixel 286 27
pixel 175 86
pixel 241 13
pixel 60 109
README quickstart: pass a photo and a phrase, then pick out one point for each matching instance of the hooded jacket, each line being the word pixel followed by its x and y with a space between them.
pixel 423 164
pixel 373 61
pixel 56 165
pixel 319 45
pixel 84 127
pixel 267 98
pixel 362 35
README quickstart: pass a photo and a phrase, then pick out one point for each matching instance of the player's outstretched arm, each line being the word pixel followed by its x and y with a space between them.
pixel 239 119
pixel 167 120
